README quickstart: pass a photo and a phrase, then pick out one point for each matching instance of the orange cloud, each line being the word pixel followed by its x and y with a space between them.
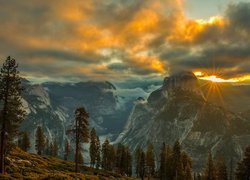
pixel 188 30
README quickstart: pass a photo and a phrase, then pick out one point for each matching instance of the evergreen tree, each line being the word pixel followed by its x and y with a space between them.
pixel 138 160
pixel 40 140
pixel 221 169
pixel 231 169
pixel 128 170
pixel 186 165
pixel 105 155
pixel 66 150
pixel 142 165
pixel 177 164
pixel 47 147
pixel 25 142
pixel 150 161
pixel 12 112
pixel 80 158
pixel 51 148
pixel 80 131
pixel 188 172
pixel 162 172
pixel 169 171
pixel 243 167
pixel 93 147
pixel 120 159
pixel 98 154
pixel 111 157
pixel 209 172
pixel 54 148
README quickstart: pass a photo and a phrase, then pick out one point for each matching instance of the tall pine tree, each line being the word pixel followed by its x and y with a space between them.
pixel 40 140
pixel 55 148
pixel 243 168
pixel 93 147
pixel 66 150
pixel 177 164
pixel 209 172
pixel 150 161
pixel 221 169
pixel 142 170
pixel 105 155
pixel 12 112
pixel 25 142
pixel 98 154
pixel 80 131
pixel 162 171
pixel 138 160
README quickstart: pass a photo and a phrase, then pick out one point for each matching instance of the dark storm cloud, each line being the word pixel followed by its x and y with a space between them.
pixel 238 16
pixel 116 11
pixel 117 66
pixel 62 55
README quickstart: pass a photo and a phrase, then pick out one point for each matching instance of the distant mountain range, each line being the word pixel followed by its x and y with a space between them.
pixel 52 106
pixel 144 112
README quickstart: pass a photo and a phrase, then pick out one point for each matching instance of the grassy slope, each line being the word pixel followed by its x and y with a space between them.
pixel 23 165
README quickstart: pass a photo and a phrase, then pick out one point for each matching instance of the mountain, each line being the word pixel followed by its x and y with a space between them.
pixel 178 110
pixel 52 106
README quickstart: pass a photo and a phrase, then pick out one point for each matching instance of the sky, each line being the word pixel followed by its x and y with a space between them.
pixel 123 40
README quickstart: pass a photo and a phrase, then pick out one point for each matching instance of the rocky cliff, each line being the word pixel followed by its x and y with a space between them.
pixel 179 111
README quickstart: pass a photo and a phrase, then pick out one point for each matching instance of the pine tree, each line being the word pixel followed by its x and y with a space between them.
pixel 47 147
pixel 163 162
pixel 80 131
pixel 186 165
pixel 80 158
pixel 98 154
pixel 128 170
pixel 93 147
pixel 142 165
pixel 66 150
pixel 120 159
pixel 150 161
pixel 12 112
pixel 54 148
pixel 209 172
pixel 221 169
pixel 177 164
pixel 188 172
pixel 40 140
pixel 111 157
pixel 169 171
pixel 105 155
pixel 25 142
pixel 138 160
pixel 51 148
pixel 243 168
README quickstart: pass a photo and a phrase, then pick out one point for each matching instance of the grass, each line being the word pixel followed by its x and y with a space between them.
pixel 23 165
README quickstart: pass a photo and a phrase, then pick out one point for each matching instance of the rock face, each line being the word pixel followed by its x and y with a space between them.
pixel 178 110
pixel 52 106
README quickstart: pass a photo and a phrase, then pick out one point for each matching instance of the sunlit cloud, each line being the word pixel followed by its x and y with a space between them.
pixel 114 39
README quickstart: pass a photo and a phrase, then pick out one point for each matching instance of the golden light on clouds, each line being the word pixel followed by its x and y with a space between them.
pixel 188 29
pixel 147 37
pixel 216 78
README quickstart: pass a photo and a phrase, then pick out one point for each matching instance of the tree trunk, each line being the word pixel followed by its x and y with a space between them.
pixel 77 148
pixel 2 150
pixel 3 114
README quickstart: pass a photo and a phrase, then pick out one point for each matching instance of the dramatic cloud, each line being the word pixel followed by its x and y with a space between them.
pixel 121 39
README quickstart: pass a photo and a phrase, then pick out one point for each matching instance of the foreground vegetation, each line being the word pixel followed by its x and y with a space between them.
pixel 23 165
